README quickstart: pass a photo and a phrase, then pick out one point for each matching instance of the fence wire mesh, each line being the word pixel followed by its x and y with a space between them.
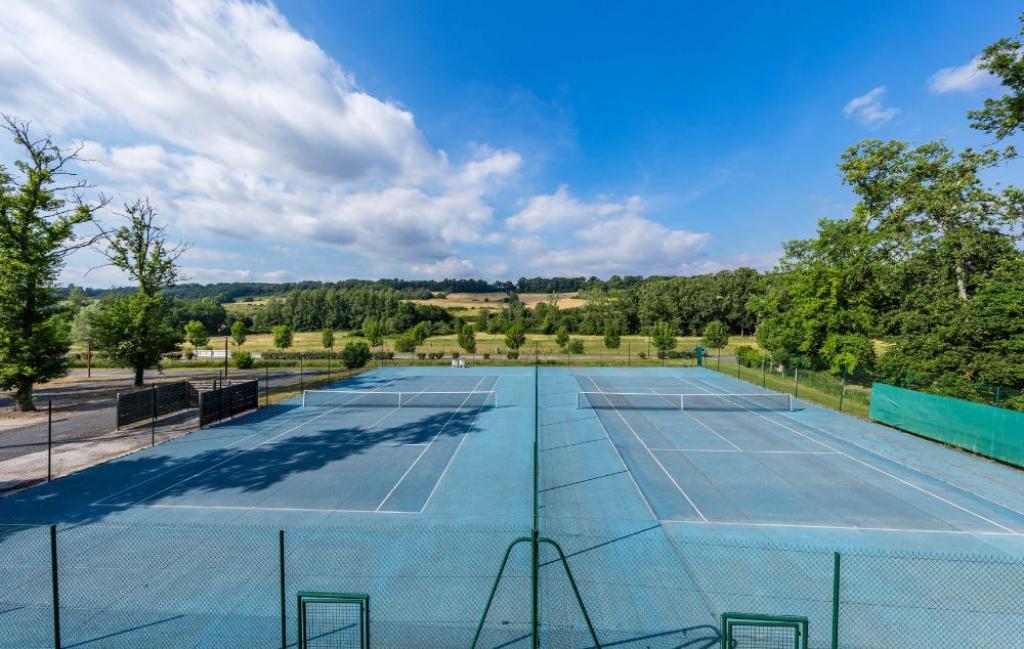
pixel 220 586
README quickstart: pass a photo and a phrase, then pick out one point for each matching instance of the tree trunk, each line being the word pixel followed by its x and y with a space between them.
pixel 961 279
pixel 139 370
pixel 23 401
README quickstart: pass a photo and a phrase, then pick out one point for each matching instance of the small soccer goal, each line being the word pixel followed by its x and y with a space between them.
pixel 334 620
pixel 751 631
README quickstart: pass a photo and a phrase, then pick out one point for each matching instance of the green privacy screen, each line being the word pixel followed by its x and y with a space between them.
pixel 994 432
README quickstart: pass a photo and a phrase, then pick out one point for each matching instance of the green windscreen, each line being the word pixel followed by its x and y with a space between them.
pixel 986 430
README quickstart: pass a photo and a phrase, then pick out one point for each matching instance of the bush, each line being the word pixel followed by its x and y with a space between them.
pixel 422 355
pixel 383 356
pixel 405 343
pixel 512 354
pixel 455 354
pixel 189 354
pixel 355 355
pixel 487 356
pixel 575 346
pixel 642 355
pixel 243 360
pixel 748 356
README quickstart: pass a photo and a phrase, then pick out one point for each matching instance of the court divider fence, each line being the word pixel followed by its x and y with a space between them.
pixel 146 585
pixel 76 430
pixel 997 433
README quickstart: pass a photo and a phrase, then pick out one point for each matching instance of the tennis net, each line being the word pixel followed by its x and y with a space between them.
pixel 759 402
pixel 378 399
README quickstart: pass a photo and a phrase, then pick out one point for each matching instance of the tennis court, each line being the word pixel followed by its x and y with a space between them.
pixel 676 495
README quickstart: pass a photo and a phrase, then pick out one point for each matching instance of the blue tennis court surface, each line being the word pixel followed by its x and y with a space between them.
pixel 669 517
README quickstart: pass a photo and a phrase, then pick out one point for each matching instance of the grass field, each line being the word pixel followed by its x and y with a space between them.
pixel 309 341
pixel 477 301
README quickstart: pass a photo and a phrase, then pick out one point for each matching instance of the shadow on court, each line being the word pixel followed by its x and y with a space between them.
pixel 120 485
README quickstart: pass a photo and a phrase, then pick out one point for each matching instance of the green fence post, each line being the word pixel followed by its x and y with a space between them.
pixel 998 394
pixel 152 421
pixel 764 372
pixel 302 386
pixel 49 440
pixel 55 582
pixel 284 623
pixel 266 384
pixel 737 367
pixel 842 392
pixel 835 600
pixel 796 379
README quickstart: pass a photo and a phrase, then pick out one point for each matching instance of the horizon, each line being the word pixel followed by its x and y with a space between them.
pixel 298 141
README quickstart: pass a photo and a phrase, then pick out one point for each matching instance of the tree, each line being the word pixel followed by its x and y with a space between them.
pixel 239 332
pixel 140 249
pixel 355 355
pixel 663 338
pixel 467 338
pixel 562 337
pixel 514 337
pixel 612 337
pixel 195 334
pixel 373 331
pixel 39 213
pixel 1003 116
pixel 282 335
pixel 133 331
pixel 406 343
pixel 327 338
pixel 716 336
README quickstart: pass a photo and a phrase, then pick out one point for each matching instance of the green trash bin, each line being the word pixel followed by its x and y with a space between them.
pixel 699 352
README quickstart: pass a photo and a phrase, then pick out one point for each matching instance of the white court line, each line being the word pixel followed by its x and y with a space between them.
pixel 715 432
pixel 869 465
pixel 231 445
pixel 423 452
pixel 729 450
pixel 851 528
pixel 268 509
pixel 653 457
pixel 440 478
pixel 233 457
pixel 629 472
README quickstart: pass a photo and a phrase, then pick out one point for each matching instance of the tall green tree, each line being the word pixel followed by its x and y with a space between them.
pixel 196 334
pixel 612 337
pixel 1003 116
pixel 663 337
pixel 39 214
pixel 135 331
pixel 562 336
pixel 514 337
pixel 716 336
pixel 327 338
pixel 467 338
pixel 239 333
pixel 282 336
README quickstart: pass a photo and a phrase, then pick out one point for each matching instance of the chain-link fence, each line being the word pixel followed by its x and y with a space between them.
pixel 147 585
pixel 82 425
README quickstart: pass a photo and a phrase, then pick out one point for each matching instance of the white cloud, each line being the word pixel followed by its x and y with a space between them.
pixel 562 209
pixel 964 78
pixel 610 237
pixel 237 125
pixel 869 109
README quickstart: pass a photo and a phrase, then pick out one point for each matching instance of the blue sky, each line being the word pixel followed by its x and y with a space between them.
pixel 323 140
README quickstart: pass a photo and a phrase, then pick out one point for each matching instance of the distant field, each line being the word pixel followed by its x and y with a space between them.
pixel 477 301
pixel 310 341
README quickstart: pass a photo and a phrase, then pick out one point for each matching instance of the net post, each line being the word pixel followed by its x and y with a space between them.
pixel 55 584
pixel 399 399
pixel 682 402
pixel 836 559
pixel 303 398
pixel 789 398
pixel 284 611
